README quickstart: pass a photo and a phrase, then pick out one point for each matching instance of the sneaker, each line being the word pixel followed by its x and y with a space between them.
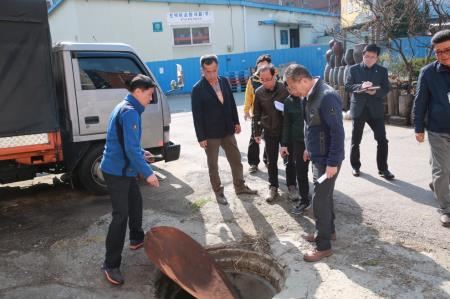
pixel 293 193
pixel 386 174
pixel 272 195
pixel 113 275
pixel 445 220
pixel 299 209
pixel 136 244
pixel 253 168
pixel 221 199
pixel 245 190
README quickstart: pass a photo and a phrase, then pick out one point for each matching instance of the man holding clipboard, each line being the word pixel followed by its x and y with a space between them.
pixel 368 82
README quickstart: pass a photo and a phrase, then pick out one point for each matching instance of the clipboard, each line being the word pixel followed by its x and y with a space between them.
pixel 368 88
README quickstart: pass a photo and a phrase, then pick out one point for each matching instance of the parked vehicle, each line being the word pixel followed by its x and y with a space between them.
pixel 55 102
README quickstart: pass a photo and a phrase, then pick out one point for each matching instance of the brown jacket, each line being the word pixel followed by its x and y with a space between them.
pixel 265 116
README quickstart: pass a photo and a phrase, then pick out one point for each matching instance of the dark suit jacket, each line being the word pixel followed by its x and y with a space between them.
pixel 356 75
pixel 212 119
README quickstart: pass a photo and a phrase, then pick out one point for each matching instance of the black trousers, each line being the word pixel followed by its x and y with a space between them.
pixel 297 170
pixel 379 131
pixel 126 202
pixel 272 150
pixel 323 206
pixel 253 152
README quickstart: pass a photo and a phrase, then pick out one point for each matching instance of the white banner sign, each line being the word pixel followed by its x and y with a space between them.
pixel 190 18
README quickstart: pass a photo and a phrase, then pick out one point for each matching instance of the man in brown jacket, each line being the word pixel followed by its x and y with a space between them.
pixel 268 120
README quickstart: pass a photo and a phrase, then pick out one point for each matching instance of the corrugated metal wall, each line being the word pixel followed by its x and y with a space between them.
pixel 313 57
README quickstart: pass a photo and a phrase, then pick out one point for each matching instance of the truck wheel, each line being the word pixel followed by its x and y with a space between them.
pixel 89 172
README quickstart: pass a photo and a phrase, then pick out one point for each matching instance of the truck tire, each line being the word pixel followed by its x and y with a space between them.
pixel 89 171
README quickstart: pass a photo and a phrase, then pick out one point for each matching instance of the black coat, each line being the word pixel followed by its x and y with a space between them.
pixel 356 75
pixel 212 119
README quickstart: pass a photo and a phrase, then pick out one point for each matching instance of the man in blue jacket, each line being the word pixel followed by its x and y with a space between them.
pixel 324 137
pixel 433 97
pixel 123 159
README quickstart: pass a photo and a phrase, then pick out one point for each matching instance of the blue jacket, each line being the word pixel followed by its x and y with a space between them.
pixel 433 97
pixel 129 113
pixel 324 131
pixel 374 104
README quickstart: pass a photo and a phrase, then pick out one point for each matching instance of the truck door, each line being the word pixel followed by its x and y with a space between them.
pixel 100 84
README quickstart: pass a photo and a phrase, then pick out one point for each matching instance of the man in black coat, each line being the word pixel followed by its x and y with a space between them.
pixel 368 82
pixel 216 121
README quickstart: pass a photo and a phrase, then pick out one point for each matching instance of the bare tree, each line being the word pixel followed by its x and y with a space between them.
pixel 397 24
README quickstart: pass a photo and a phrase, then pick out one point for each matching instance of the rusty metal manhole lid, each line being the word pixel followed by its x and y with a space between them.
pixel 187 263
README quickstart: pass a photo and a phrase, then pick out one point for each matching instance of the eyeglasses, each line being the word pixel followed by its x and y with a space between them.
pixel 265 81
pixel 445 52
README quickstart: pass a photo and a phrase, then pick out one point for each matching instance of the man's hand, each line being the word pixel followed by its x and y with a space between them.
pixel 153 181
pixel 305 156
pixel 237 129
pixel 284 151
pixel 331 171
pixel 420 137
pixel 258 139
pixel 246 115
pixel 366 84
pixel 203 144
pixel 149 157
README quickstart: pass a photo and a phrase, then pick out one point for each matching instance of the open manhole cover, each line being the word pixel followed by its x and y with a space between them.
pixel 253 273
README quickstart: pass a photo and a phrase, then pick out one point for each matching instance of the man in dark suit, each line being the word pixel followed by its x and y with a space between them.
pixel 216 121
pixel 368 82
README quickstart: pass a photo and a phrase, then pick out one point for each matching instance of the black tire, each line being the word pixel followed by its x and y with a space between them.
pixel 89 171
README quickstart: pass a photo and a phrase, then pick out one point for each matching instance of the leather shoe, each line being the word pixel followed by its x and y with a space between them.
pixel 316 255
pixel 312 237
pixel 244 189
pixel 386 174
pixel 355 172
pixel 445 220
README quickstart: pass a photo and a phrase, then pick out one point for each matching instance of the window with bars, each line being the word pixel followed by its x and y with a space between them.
pixel 191 36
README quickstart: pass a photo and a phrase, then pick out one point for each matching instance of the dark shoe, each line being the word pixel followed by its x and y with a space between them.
pixel 136 244
pixel 221 199
pixel 246 190
pixel 300 208
pixel 253 168
pixel 312 237
pixel 431 186
pixel 316 255
pixel 355 172
pixel 386 174
pixel 113 275
pixel 293 193
pixel 445 220
pixel 272 195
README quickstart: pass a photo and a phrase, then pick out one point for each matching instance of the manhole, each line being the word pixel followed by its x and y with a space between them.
pixel 254 274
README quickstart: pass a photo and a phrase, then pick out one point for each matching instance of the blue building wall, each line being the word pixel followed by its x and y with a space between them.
pixel 418 47
pixel 313 57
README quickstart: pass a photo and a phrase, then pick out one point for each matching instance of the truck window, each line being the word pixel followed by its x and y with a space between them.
pixel 106 73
